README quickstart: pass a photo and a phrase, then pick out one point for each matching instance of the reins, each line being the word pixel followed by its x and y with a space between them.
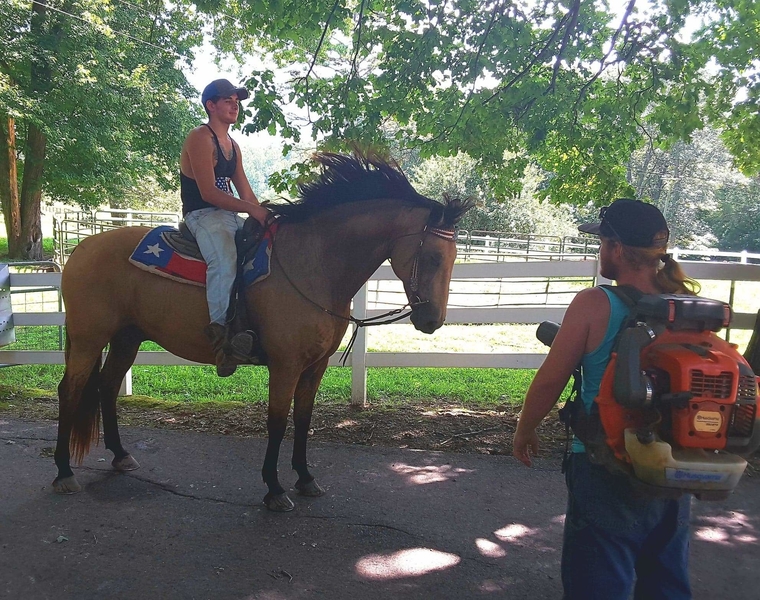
pixel 376 320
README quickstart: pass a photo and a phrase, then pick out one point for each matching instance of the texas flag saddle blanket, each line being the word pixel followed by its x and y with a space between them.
pixel 159 253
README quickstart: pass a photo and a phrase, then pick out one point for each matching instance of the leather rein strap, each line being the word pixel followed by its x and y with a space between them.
pixel 446 234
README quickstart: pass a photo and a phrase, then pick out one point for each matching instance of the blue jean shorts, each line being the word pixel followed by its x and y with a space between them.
pixel 617 541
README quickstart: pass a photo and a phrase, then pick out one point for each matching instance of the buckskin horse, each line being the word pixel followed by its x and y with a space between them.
pixel 360 211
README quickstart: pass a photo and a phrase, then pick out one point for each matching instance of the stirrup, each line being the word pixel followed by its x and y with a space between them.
pixel 241 345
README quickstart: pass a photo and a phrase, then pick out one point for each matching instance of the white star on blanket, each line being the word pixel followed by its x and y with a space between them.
pixel 155 250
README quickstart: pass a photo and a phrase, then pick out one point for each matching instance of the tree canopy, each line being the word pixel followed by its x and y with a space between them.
pixel 92 95
pixel 92 100
pixel 569 85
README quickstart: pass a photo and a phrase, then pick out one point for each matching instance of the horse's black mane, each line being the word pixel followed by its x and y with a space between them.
pixel 363 176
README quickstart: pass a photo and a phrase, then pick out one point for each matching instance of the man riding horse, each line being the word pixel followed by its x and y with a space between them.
pixel 210 160
pixel 359 212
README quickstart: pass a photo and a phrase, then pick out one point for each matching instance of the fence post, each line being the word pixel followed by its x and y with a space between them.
pixel 600 280
pixel 7 332
pixel 359 352
pixel 126 385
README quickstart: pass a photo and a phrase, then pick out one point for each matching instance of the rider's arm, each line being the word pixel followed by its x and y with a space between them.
pixel 200 148
pixel 564 356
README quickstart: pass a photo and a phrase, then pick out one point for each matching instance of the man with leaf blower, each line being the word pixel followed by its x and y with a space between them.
pixel 616 540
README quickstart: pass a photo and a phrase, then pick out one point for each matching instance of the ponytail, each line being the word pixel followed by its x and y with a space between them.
pixel 671 278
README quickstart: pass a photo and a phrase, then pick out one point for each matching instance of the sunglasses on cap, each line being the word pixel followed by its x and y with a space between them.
pixel 606 222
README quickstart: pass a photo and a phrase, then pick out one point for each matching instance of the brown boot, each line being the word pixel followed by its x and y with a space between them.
pixel 229 353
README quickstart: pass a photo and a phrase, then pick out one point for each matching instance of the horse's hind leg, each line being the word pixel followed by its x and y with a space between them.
pixel 78 412
pixel 121 354
pixel 303 407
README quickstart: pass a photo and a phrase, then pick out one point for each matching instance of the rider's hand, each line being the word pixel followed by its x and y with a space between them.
pixel 525 445
pixel 260 213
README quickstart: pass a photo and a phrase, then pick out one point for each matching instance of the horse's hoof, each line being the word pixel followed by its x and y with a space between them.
pixel 279 503
pixel 126 463
pixel 66 485
pixel 311 489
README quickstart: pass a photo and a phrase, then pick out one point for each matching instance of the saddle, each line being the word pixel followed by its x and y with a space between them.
pixel 183 241
pixel 247 241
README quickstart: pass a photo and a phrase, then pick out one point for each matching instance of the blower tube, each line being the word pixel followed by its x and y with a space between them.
pixel 631 386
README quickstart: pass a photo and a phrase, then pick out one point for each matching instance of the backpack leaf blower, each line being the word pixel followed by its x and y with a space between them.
pixel 677 405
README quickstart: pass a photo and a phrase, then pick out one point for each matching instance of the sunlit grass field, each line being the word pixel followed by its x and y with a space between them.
pixel 483 387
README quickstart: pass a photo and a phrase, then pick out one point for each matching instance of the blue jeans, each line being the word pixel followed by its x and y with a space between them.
pixel 614 538
pixel 215 229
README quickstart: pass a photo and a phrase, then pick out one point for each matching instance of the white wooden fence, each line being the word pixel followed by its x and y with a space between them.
pixel 360 359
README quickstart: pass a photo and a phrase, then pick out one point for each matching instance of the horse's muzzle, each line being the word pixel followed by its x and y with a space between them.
pixel 426 320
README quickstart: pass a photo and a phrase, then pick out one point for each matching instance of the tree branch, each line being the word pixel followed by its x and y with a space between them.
pixel 474 70
pixel 154 21
pixel 574 13
pixel 611 49
pixel 497 11
pixel 538 56
pixel 305 78
pixel 359 24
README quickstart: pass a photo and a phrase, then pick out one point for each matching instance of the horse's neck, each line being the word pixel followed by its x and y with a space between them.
pixel 345 247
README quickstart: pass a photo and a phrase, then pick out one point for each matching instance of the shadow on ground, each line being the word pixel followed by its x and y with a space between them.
pixel 395 523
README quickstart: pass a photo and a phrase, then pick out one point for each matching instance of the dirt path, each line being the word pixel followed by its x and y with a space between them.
pixel 421 425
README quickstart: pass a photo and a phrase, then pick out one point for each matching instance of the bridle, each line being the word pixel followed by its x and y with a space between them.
pixel 446 234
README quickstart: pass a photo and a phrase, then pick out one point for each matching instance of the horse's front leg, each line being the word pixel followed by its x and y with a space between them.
pixel 282 383
pixel 303 407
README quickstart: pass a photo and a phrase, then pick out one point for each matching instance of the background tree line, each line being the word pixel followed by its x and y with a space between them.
pixel 554 106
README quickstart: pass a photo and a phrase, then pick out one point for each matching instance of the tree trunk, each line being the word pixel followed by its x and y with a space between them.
pixel 673 209
pixel 641 179
pixel 30 240
pixel 9 199
pixel 28 244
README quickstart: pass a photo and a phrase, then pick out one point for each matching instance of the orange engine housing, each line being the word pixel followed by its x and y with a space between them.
pixel 699 390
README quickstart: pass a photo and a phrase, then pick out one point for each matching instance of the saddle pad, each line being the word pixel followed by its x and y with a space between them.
pixel 258 268
pixel 153 254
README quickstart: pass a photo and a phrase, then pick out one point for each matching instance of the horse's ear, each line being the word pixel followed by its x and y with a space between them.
pixel 454 209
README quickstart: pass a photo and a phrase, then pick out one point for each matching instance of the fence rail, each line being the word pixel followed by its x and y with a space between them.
pixel 70 227
pixel 467 275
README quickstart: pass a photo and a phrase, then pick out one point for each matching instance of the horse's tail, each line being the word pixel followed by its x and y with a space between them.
pixel 85 414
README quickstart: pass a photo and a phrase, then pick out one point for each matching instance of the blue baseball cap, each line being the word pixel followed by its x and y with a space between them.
pixel 221 88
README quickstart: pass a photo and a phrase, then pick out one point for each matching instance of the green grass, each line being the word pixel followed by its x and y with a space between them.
pixel 387 385
pixel 37 338
pixel 483 387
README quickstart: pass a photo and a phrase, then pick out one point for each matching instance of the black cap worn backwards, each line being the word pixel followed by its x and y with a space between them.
pixel 633 222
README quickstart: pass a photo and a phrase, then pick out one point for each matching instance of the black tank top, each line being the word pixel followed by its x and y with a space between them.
pixel 223 172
